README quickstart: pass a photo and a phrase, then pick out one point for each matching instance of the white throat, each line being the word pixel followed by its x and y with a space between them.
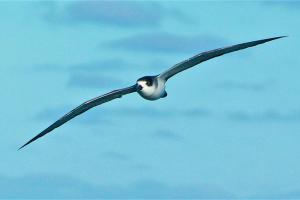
pixel 154 91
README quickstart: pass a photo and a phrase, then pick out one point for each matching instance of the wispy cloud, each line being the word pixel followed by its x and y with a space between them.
pixel 85 80
pixel 140 167
pixel 279 194
pixel 53 114
pixel 160 113
pixel 52 186
pixel 249 86
pixel 116 156
pixel 107 65
pixel 42 186
pixel 104 114
pixel 166 135
pixel 265 116
pixel 125 14
pixel 169 43
pixel 104 65
pixel 293 5
pixel 121 13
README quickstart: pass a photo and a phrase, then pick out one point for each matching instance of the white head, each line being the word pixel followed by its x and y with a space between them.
pixel 150 88
pixel 144 82
pixel 146 86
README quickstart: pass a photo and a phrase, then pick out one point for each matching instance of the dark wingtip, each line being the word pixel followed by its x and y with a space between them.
pixel 281 37
pixel 20 148
pixel 33 139
pixel 24 145
pixel 267 40
pixel 275 38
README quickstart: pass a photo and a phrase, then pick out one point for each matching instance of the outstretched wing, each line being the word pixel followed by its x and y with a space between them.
pixel 84 107
pixel 209 55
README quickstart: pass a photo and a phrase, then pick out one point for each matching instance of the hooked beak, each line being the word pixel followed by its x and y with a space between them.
pixel 139 87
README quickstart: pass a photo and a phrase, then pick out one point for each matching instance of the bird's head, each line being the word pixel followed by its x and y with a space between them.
pixel 144 82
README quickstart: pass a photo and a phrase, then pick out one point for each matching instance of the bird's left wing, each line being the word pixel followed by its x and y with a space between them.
pixel 199 58
pixel 84 107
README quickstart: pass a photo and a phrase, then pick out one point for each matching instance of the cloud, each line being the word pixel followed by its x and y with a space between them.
pixel 168 43
pixel 45 186
pixel 102 114
pixel 83 80
pixel 90 67
pixel 103 65
pixel 279 194
pixel 92 74
pixel 166 135
pixel 107 65
pixel 266 116
pixel 116 156
pixel 117 13
pixel 155 189
pixel 51 115
pixel 140 167
pixel 158 113
pixel 293 5
pixel 249 86
pixel 196 112
pixel 53 186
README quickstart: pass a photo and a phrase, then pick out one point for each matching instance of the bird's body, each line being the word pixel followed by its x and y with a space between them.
pixel 151 87
pixel 148 87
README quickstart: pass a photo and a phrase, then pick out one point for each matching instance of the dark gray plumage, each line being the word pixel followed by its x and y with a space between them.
pixel 84 107
pixel 199 58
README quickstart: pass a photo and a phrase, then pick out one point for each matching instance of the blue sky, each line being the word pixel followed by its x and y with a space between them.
pixel 228 128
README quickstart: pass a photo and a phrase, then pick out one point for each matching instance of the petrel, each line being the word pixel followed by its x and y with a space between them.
pixel 149 87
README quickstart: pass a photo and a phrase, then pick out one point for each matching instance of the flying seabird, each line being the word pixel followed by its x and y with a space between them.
pixel 149 87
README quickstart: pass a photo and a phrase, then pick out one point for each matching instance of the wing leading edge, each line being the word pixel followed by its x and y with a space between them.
pixel 83 108
pixel 204 56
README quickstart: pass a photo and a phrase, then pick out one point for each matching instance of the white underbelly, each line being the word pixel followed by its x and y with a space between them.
pixel 153 93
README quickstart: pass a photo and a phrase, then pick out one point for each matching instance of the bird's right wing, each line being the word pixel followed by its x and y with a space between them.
pixel 209 55
pixel 84 107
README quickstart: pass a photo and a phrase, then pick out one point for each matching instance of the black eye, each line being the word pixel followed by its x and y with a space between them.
pixel 148 83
